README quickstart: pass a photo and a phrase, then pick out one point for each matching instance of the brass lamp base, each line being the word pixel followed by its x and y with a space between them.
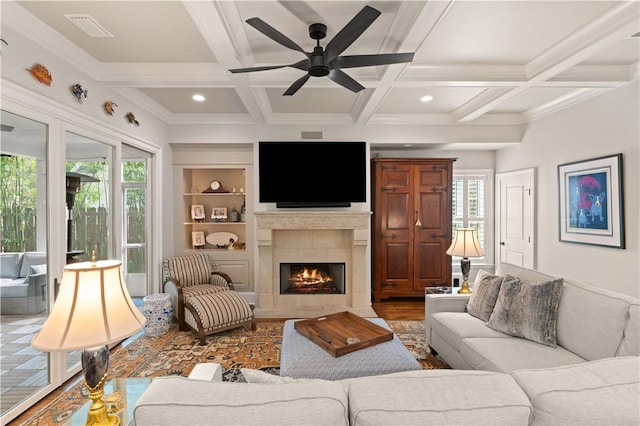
pixel 465 267
pixel 95 363
pixel 465 288
pixel 98 415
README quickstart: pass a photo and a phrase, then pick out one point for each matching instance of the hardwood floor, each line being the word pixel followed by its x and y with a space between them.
pixel 390 309
pixel 409 308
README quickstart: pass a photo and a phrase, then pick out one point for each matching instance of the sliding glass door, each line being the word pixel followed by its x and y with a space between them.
pixel 24 265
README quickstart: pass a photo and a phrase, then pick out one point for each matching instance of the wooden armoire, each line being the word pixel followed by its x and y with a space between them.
pixel 411 225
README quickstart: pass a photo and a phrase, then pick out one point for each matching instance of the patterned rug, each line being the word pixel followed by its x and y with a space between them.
pixel 176 353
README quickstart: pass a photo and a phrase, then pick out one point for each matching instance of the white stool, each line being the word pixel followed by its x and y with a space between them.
pixel 157 310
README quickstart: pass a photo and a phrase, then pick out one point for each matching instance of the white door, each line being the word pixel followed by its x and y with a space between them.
pixel 516 218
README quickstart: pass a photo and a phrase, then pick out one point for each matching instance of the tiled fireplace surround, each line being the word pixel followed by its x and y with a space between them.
pixel 312 236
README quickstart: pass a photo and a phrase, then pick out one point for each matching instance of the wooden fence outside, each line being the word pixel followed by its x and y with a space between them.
pixel 90 232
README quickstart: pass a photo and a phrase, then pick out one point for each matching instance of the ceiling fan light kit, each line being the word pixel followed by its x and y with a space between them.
pixel 327 61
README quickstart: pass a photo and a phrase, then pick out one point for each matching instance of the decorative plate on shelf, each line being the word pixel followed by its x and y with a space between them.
pixel 222 239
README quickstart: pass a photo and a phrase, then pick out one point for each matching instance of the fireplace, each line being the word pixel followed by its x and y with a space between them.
pixel 315 237
pixel 312 278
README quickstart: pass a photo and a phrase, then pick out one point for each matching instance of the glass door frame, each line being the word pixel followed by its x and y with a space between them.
pixel 59 120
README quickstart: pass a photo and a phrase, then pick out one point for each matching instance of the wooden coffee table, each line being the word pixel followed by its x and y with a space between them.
pixel 343 333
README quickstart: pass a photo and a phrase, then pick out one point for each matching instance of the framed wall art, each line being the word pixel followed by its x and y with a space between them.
pixel 591 202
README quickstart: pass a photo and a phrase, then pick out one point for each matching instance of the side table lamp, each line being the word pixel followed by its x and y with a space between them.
pixel 93 309
pixel 466 245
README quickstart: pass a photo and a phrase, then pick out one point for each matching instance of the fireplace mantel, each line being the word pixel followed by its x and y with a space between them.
pixel 330 236
pixel 312 219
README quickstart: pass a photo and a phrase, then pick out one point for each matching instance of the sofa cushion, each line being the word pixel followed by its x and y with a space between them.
pixel 10 265
pixel 452 327
pixel 32 258
pixel 591 320
pixel 630 345
pixel 601 392
pixel 528 310
pixel 13 287
pixel 181 401
pixel 438 397
pixel 485 292
pixel 513 353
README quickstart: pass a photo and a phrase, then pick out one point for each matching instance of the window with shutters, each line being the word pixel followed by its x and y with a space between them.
pixel 472 201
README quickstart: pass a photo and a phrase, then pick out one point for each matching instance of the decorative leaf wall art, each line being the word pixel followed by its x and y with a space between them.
pixel 41 73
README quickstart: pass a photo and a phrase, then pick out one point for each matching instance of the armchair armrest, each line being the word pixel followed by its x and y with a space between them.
pixel 221 279
pixel 434 303
pixel 174 288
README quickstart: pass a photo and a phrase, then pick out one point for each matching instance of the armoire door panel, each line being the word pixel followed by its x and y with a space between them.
pixel 397 261
pixel 397 206
pixel 398 176
pixel 431 210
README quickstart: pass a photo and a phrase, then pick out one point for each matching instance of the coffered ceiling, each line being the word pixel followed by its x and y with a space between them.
pixel 484 62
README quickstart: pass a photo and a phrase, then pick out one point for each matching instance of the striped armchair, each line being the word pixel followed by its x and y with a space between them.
pixel 203 299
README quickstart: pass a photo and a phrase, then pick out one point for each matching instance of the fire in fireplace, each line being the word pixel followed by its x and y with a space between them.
pixel 312 278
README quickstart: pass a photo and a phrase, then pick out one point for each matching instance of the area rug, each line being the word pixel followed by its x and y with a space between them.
pixel 176 353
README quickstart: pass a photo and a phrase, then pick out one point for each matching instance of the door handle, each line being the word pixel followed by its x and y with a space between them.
pixel 418 223
pixel 502 243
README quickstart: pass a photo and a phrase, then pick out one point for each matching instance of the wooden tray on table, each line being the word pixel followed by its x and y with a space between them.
pixel 342 333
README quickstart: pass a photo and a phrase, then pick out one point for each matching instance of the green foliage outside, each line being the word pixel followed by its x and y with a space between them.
pixel 91 210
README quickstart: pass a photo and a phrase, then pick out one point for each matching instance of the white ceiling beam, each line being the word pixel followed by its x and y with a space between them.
pixel 212 19
pixel 420 19
pixel 616 24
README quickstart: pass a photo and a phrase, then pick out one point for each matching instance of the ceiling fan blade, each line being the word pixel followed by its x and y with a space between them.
pixel 251 69
pixel 301 65
pixel 274 34
pixel 345 80
pixel 371 60
pixel 350 32
pixel 296 85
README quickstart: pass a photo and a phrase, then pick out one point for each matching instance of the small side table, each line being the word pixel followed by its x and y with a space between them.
pixel 157 310
pixel 130 390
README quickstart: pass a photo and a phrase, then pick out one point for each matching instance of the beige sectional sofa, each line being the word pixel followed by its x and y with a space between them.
pixel 598 393
pixel 592 323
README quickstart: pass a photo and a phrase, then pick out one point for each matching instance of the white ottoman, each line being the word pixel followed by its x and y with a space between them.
pixel 157 310
pixel 301 358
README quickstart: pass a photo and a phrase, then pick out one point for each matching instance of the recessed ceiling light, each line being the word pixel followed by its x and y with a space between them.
pixel 426 98
pixel 198 97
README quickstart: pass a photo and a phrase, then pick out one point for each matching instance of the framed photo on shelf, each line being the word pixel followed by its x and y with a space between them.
pixel 219 214
pixel 197 239
pixel 591 202
pixel 197 212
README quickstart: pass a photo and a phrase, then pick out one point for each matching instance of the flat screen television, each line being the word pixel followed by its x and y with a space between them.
pixel 312 174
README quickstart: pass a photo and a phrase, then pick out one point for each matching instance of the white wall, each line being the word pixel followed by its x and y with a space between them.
pixel 605 125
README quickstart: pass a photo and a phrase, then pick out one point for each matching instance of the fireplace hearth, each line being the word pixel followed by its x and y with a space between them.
pixel 312 278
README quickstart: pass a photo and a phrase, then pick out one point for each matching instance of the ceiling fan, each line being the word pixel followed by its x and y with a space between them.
pixel 328 62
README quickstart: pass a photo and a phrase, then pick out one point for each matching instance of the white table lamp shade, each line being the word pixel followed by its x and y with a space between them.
pixel 465 244
pixel 93 308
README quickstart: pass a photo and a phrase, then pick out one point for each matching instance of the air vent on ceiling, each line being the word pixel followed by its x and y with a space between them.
pixel 88 24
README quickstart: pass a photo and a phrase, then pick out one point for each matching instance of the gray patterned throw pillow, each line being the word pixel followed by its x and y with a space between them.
pixel 527 310
pixel 485 292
